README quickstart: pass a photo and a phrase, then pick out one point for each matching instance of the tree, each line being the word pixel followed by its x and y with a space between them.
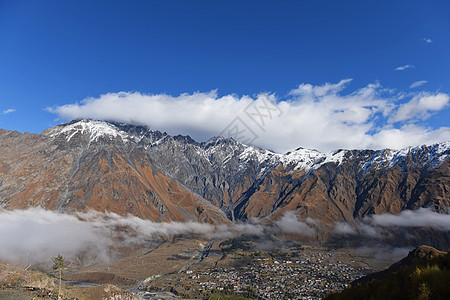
pixel 59 263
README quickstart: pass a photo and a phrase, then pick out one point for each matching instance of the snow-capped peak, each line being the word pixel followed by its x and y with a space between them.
pixel 94 128
pixel 429 154
pixel 301 158
pixel 223 149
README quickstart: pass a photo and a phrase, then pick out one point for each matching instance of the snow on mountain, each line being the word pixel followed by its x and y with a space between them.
pixel 225 149
pixel 424 154
pixel 95 129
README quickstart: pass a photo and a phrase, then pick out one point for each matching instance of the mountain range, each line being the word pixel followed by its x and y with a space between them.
pixel 128 169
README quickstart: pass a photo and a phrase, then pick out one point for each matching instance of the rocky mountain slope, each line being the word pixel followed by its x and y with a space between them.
pixel 133 169
pixel 100 173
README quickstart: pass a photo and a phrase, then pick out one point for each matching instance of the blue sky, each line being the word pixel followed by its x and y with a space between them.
pixel 57 53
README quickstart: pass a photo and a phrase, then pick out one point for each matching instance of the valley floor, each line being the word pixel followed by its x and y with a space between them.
pixel 239 268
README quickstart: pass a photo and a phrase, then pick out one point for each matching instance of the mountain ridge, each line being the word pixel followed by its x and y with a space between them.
pixel 239 181
pixel 108 127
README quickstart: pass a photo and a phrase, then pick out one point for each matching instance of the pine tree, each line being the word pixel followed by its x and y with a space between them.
pixel 59 263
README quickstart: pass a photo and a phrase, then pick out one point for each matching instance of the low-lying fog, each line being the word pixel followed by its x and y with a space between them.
pixel 35 235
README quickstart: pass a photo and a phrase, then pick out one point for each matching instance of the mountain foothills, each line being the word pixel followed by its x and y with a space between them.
pixel 423 274
pixel 126 169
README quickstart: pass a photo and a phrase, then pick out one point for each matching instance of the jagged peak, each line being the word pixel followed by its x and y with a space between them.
pixel 94 128
pixel 218 140
pixel 98 128
pixel 433 153
pixel 311 159
pixel 300 158
pixel 185 138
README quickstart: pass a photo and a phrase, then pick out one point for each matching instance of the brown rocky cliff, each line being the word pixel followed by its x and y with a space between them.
pixel 77 175
pixel 345 192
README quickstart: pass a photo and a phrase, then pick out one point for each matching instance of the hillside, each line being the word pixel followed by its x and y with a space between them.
pixel 420 255
pixel 17 283
pixel 423 274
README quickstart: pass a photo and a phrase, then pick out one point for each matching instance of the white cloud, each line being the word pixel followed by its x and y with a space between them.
pixel 8 111
pixel 344 228
pixel 421 107
pixel 427 40
pixel 308 90
pixel 320 117
pixel 380 226
pixel 35 235
pixel 408 134
pixel 403 68
pixel 290 223
pixel 418 83
pixel 419 218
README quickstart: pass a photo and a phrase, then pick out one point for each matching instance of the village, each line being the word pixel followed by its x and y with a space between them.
pixel 264 275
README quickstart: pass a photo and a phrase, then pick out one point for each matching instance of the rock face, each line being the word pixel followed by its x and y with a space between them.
pixel 133 169
pixel 86 172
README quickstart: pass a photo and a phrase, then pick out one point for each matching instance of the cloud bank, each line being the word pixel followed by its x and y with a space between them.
pixel 35 235
pixel 323 117
pixel 378 226
pixel 421 107
pixel 420 218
